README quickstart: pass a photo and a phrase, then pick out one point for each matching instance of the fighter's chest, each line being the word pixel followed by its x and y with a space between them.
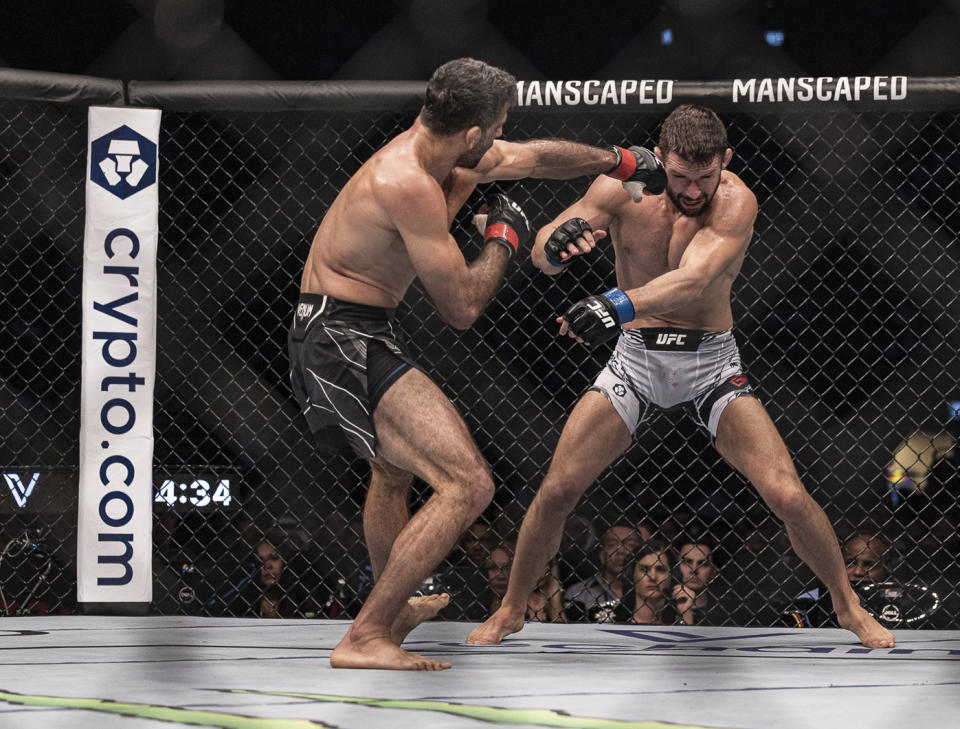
pixel 656 246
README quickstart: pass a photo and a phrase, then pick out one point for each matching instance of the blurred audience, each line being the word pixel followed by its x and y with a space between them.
pixel 544 604
pixel 464 575
pixel 577 547
pixel 596 598
pixel 283 584
pixel 497 569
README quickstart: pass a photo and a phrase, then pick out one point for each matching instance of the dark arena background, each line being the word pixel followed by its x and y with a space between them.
pixel 846 312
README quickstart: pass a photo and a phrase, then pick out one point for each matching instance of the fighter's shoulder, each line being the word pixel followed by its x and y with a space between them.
pixel 734 199
pixel 400 180
pixel 734 191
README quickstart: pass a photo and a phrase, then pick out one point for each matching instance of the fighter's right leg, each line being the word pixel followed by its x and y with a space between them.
pixel 419 431
pixel 592 438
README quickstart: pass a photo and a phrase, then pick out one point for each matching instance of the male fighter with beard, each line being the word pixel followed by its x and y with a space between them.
pixel 356 387
pixel 677 255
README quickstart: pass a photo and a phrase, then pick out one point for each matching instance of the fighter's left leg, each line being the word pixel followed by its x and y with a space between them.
pixel 385 514
pixel 749 441
pixel 386 510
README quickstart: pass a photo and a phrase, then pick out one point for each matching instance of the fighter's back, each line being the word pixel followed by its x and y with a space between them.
pixel 357 253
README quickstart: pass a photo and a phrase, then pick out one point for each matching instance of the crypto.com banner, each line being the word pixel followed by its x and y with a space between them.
pixel 119 356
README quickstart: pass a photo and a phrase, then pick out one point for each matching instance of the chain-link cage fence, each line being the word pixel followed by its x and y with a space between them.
pixel 846 315
pixel 42 165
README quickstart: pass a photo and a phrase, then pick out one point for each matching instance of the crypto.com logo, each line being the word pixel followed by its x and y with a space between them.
pixel 123 162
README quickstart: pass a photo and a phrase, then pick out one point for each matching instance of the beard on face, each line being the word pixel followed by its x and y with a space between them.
pixel 471 158
pixel 678 204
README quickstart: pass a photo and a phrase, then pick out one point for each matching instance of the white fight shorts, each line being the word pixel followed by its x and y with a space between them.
pixel 672 368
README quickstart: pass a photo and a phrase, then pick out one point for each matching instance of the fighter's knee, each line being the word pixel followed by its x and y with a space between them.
pixel 475 489
pixel 482 491
pixel 787 500
pixel 558 497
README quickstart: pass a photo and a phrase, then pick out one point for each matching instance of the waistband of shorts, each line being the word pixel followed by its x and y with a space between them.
pixel 670 339
pixel 313 306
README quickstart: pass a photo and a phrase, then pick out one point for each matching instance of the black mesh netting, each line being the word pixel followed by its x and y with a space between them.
pixel 846 311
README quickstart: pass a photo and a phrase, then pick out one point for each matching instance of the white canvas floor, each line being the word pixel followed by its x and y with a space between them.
pixel 139 673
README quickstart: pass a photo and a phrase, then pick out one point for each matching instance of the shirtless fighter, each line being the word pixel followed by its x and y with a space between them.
pixel 677 255
pixel 356 387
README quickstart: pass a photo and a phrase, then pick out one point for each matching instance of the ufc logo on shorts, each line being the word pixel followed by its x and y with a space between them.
pixel 597 308
pixel 304 310
pixel 671 338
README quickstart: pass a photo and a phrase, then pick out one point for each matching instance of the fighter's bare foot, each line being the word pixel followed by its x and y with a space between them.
pixel 380 652
pixel 868 630
pixel 497 627
pixel 416 611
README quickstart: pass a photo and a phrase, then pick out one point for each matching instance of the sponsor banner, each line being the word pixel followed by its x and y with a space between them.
pixel 594 93
pixel 114 538
pixel 823 88
pixel 663 94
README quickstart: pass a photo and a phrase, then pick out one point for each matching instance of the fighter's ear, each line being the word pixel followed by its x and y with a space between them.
pixel 472 135
pixel 727 156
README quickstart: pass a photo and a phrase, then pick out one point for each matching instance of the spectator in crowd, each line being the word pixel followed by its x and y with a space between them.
pixel 650 571
pixel 277 588
pixel 866 558
pixel 907 602
pixel 865 554
pixel 271 570
pixel 598 595
pixel 578 542
pixel 464 574
pixel 692 596
pixel 545 603
pixel 497 567
pixel 476 543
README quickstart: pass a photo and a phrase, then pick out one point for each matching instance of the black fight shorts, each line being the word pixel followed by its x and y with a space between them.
pixel 343 358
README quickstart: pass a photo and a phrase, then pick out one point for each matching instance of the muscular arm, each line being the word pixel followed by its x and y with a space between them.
pixel 460 292
pixel 550 159
pixel 713 248
pixel 598 207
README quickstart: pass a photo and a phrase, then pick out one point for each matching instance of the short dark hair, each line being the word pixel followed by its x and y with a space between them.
pixel 694 133
pixel 652 546
pixel 464 93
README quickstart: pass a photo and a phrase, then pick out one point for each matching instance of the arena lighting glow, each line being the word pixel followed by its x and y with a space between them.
pixel 774 38
pixel 666 37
